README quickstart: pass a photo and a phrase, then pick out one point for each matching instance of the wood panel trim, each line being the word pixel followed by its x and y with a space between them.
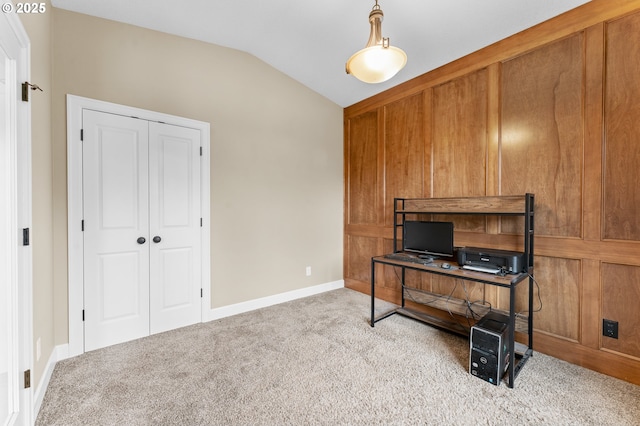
pixel 493 130
pixel 428 142
pixel 493 177
pixel 612 364
pixel 346 170
pixel 382 189
pixel 593 133
pixel 620 252
pixel 590 310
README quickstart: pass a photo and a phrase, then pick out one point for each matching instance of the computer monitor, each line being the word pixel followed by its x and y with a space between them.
pixel 428 238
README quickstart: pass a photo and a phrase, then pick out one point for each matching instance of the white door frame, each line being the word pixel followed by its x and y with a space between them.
pixel 17 197
pixel 75 105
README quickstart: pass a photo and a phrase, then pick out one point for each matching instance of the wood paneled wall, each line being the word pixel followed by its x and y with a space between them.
pixel 555 111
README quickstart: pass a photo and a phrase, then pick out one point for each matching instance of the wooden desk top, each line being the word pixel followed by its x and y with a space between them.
pixel 455 271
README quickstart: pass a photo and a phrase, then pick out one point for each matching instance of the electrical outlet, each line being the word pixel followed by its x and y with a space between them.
pixel 308 271
pixel 610 328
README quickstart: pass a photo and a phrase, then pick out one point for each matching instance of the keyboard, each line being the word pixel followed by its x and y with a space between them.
pixel 405 257
pixel 487 269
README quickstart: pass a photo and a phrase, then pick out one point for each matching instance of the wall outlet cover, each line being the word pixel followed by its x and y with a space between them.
pixel 610 328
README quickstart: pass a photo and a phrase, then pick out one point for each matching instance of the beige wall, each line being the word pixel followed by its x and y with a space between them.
pixel 276 151
pixel 38 27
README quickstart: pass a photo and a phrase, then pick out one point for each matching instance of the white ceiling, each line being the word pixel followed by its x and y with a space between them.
pixel 310 40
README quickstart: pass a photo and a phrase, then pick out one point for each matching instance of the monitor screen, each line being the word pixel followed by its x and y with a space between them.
pixel 432 238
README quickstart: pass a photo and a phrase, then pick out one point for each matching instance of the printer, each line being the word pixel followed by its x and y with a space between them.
pixel 511 262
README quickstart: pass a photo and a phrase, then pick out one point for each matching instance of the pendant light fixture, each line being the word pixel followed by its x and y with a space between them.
pixel 378 61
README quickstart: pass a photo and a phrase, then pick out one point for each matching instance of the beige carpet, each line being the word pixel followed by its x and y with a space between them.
pixel 316 361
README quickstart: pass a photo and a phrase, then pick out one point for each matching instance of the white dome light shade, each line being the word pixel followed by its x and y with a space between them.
pixel 378 61
pixel 376 64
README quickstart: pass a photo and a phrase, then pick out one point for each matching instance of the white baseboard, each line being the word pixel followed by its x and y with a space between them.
pixel 59 353
pixel 251 305
pixel 62 351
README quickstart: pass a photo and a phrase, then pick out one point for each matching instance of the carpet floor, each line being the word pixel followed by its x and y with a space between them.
pixel 316 361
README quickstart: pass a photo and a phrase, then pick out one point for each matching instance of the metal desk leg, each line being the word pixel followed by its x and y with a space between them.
pixel 512 335
pixel 530 319
pixel 403 277
pixel 373 291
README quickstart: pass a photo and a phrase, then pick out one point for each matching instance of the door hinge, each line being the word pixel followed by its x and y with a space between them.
pixel 25 90
pixel 25 237
pixel 83 315
pixel 27 379
pixel 201 293
pixel 81 134
pixel 200 151
pixel 82 225
pixel 200 222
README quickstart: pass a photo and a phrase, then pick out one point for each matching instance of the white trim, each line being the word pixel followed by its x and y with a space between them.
pixel 62 352
pixel 38 394
pixel 15 43
pixel 75 105
pixel 41 389
pixel 251 305
pixel 205 210
pixel 59 353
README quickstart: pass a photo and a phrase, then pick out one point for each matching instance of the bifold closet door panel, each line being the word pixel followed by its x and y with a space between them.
pixel 174 219
pixel 116 229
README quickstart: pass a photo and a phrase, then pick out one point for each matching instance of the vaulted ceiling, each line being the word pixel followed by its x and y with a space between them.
pixel 311 40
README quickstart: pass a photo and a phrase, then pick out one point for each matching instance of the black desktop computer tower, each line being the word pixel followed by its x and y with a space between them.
pixel 489 348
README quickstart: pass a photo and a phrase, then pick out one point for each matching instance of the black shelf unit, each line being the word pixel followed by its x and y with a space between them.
pixel 519 205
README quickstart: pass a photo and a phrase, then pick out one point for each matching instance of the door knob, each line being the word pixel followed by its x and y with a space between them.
pixel 157 239
pixel 141 240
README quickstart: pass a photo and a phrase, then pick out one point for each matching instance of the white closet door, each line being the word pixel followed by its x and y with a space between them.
pixel 116 229
pixel 174 196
